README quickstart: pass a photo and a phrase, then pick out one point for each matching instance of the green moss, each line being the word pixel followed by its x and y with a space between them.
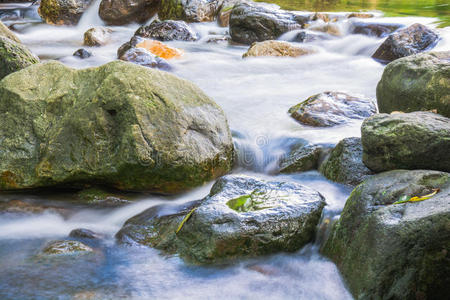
pixel 251 202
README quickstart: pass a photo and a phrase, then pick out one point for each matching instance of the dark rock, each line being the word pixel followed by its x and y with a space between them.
pixel 417 140
pixel 251 23
pixel 145 58
pixel 241 217
pixel 373 29
pixel 404 42
pixel 167 31
pixel 120 12
pixel 306 36
pixel 304 158
pixel 331 108
pixel 82 233
pixel 344 164
pixel 417 82
pixel 189 10
pixel 14 57
pixel 395 251
pixel 62 12
pixel 82 53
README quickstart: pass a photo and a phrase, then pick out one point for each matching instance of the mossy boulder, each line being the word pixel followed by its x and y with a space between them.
pixel 5 32
pixel 14 57
pixel 189 10
pixel 417 140
pixel 344 164
pixel 118 125
pixel 304 157
pixel 417 82
pixel 62 12
pixel 241 217
pixel 121 12
pixel 395 251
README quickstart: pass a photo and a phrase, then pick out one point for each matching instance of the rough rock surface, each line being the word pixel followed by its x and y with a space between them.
pixel 276 48
pixel 65 248
pixel 117 125
pixel 82 53
pixel 332 108
pixel 97 36
pixel 395 251
pixel 168 30
pixel 189 10
pixel 14 57
pixel 5 32
pixel 417 140
pixel 404 42
pixel 417 82
pixel 374 29
pixel 241 217
pixel 344 164
pixel 120 12
pixel 62 12
pixel 304 158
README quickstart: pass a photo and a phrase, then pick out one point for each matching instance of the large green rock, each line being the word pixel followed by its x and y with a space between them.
pixel 395 251
pixel 5 32
pixel 417 140
pixel 14 56
pixel 417 82
pixel 63 12
pixel 119 125
pixel 241 217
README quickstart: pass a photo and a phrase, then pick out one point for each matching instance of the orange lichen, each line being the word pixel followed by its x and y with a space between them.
pixel 160 49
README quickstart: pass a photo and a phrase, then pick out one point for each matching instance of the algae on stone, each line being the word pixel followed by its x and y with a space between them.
pixel 14 57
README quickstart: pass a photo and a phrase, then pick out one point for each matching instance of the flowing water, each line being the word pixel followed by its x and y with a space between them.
pixel 255 94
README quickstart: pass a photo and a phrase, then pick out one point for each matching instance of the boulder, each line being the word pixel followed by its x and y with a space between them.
pixel 344 164
pixel 140 55
pixel 241 217
pixel 417 140
pixel 304 157
pixel 332 108
pixel 189 10
pixel 395 251
pixel 167 31
pixel 417 82
pixel 14 57
pixel 5 32
pixel 306 36
pixel 82 233
pixel 121 12
pixel 118 125
pixel 97 36
pixel 373 29
pixel 82 53
pixel 65 248
pixel 62 12
pixel 276 48
pixel 251 23
pixel 407 41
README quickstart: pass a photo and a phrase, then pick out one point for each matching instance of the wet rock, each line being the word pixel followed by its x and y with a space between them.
pixel 101 197
pixel 5 32
pixel 331 108
pixel 306 36
pixel 360 15
pixel 82 233
pixel 328 28
pixel 159 49
pixel 189 10
pixel 417 82
pixel 241 217
pixel 62 12
pixel 143 57
pixel 65 248
pixel 121 12
pixel 395 251
pixel 118 125
pixel 404 42
pixel 417 140
pixel 276 48
pixel 14 57
pixel 97 36
pixel 304 158
pixel 251 23
pixel 167 31
pixel 344 164
pixel 82 53
pixel 374 29
pixel 22 207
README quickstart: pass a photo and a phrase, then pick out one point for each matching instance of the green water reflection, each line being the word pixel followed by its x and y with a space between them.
pixel 426 8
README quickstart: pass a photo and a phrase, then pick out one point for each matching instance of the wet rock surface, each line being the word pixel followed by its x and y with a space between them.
pixel 374 29
pixel 332 108
pixel 276 48
pixel 387 250
pixel 168 30
pixel 65 248
pixel 241 217
pixel 417 140
pixel 83 233
pixel 304 158
pixel 121 12
pixel 63 12
pixel 82 53
pixel 189 10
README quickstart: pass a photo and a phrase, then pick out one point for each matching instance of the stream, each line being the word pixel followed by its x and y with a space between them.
pixel 255 94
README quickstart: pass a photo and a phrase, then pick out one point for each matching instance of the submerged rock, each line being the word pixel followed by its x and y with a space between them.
pixel 5 32
pixel 417 82
pixel 22 207
pixel 101 197
pixel 306 36
pixel 344 164
pixel 65 248
pixel 276 48
pixel 14 57
pixel 62 12
pixel 117 125
pixel 167 31
pixel 404 42
pixel 395 251
pixel 329 28
pixel 82 233
pixel 304 158
pixel 374 29
pixel 241 217
pixel 82 53
pixel 417 140
pixel 143 57
pixel 251 23
pixel 121 12
pixel 97 36
pixel 189 10
pixel 331 108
